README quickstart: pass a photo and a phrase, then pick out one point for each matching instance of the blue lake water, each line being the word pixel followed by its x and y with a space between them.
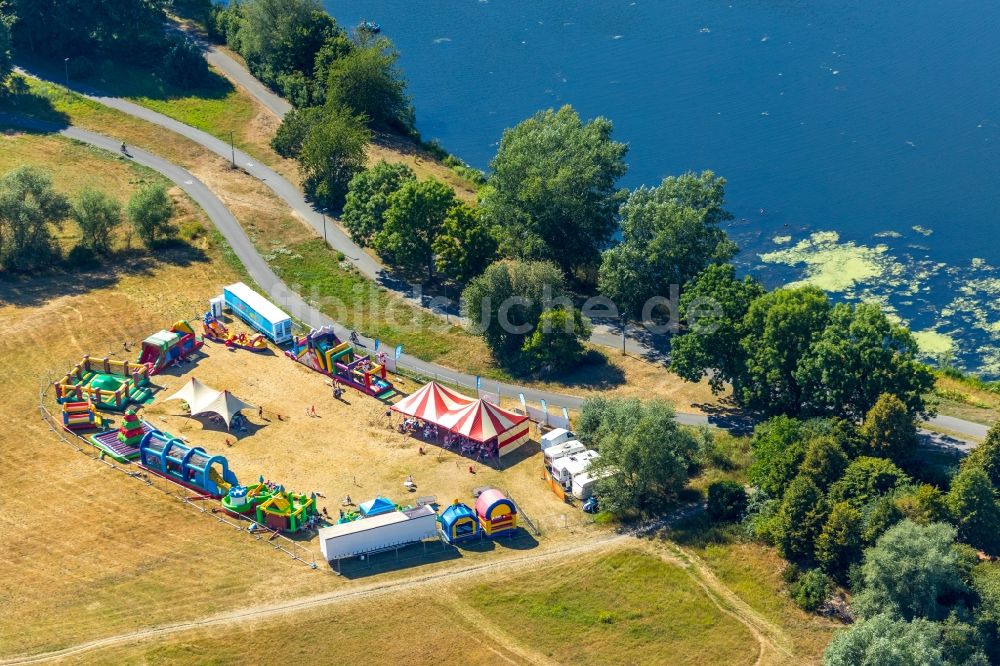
pixel 877 121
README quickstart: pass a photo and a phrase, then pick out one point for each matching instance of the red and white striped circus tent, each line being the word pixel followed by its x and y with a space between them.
pixel 432 402
pixel 482 421
pixel 475 419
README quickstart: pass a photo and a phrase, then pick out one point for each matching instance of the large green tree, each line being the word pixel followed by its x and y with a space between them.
pixel 645 453
pixel 779 448
pixel 713 309
pixel 465 245
pixel 29 207
pixel 670 233
pixel 883 640
pixel 913 571
pixel 553 191
pixel 824 462
pixel 368 82
pixel 505 303
pixel 97 215
pixel 779 329
pixel 974 510
pixel 368 198
pixel 332 153
pixel 415 215
pixel 859 356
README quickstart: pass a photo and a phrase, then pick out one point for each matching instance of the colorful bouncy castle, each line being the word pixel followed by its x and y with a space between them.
pixel 458 523
pixel 80 416
pixel 271 506
pixel 496 513
pixel 322 351
pixel 163 349
pixel 192 467
pixel 110 385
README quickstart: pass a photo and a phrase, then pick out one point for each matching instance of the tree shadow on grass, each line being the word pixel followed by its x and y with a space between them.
pixel 114 78
pixel 27 112
pixel 35 289
pixel 593 372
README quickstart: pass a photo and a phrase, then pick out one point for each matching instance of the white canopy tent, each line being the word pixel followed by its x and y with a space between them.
pixel 203 399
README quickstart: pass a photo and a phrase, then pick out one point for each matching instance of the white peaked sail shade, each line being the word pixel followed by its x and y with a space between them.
pixel 204 399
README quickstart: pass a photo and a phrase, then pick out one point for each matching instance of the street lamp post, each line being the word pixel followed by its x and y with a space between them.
pixel 232 146
pixel 66 63
pixel 624 324
pixel 324 227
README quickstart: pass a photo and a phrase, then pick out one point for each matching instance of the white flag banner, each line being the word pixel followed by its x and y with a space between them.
pixel 390 364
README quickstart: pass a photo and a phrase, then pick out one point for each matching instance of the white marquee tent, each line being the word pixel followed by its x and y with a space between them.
pixel 203 399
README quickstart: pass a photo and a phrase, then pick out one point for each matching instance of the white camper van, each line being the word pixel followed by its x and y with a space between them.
pixel 558 451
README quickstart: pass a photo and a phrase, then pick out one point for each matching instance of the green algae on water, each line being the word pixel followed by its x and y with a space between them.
pixel 832 265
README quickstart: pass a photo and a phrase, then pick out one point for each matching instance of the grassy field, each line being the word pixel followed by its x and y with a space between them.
pixel 622 605
pixel 628 607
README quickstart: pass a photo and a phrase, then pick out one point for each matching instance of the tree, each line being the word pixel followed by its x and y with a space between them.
pixel 415 215
pixel 332 153
pixel 149 210
pixel 824 461
pixel 727 501
pixel 97 215
pixel 368 198
pixel 911 572
pixel 556 343
pixel 645 453
pixel 986 456
pixel 779 447
pixel 85 28
pixel 465 245
pixel 839 544
pixel 184 65
pixel 714 306
pixel 890 429
pixel 505 303
pixel 6 50
pixel 368 83
pixel 29 206
pixel 780 327
pixel 670 234
pixel 552 191
pixel 800 519
pixel 280 39
pixel 866 479
pixel 924 504
pixel 859 356
pixel 986 582
pixel 294 130
pixel 974 510
pixel 882 640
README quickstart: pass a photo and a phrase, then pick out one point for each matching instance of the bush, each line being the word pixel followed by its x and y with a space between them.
pixel 811 590
pixel 183 63
pixel 97 215
pixel 727 501
pixel 149 211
